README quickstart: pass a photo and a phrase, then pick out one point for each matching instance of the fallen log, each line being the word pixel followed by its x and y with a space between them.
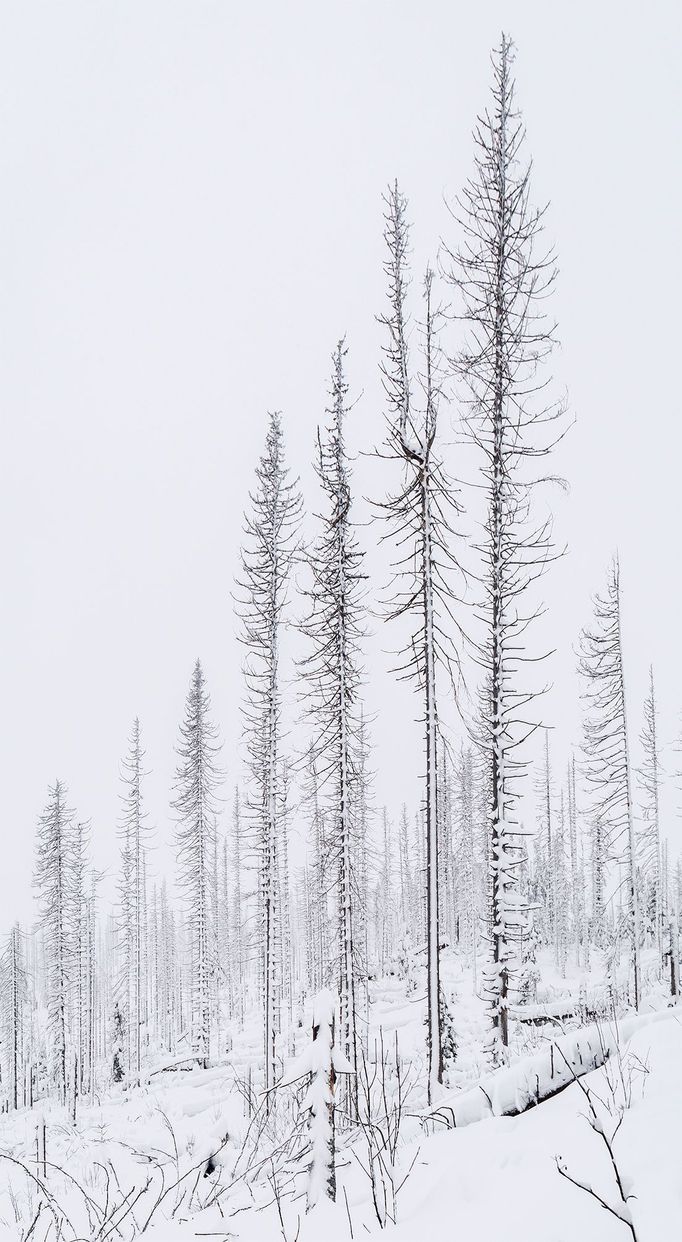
pixel 516 1088
pixel 181 1063
pixel 540 1015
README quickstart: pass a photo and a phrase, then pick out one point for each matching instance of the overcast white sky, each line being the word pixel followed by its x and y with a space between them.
pixel 190 216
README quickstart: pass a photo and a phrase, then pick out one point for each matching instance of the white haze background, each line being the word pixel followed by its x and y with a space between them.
pixel 190 216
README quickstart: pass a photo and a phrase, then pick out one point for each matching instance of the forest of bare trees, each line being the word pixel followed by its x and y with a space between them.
pixel 534 877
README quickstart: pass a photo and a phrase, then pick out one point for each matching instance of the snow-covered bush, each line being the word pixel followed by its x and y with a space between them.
pixel 383 1088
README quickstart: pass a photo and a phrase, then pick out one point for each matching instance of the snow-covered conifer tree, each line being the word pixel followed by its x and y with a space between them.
pixel 362 816
pixel 54 881
pixel 217 973
pixel 224 913
pixel 237 911
pixel 607 752
pixel 134 833
pixel 406 866
pixel 167 990
pixel 420 514
pixel 196 782
pixel 650 838
pixel 561 890
pixel 503 281
pixel 576 885
pixel 320 879
pixel 267 556
pixel 286 968
pixel 546 849
pixel 91 989
pixel 448 914
pixel 598 859
pixel 468 861
pixel 79 969
pixel 12 1015
pixel 332 671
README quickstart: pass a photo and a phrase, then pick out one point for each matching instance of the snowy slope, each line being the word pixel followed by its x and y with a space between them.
pixel 144 1152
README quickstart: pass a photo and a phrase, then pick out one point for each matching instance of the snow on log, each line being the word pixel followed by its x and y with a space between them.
pixel 552 1011
pixel 528 1082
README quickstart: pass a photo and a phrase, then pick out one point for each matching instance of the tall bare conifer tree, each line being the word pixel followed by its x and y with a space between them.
pixel 503 279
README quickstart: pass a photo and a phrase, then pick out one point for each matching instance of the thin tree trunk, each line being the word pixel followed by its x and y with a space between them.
pixel 435 1052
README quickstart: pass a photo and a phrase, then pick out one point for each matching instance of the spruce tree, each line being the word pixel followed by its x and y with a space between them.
pixel 334 628
pixel 503 281
pixel 196 782
pixel 420 511
pixel 607 758
pixel 54 881
pixel 134 832
pixel 267 556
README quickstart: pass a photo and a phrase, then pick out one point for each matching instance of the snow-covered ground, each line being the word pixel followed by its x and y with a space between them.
pixel 136 1162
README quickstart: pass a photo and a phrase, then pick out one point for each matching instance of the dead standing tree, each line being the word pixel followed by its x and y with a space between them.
pixel 333 674
pixel 55 888
pixel 269 548
pixel 421 515
pixel 503 283
pixel 321 1062
pixel 650 838
pixel 135 837
pixel 13 997
pixel 607 750
pixel 196 780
